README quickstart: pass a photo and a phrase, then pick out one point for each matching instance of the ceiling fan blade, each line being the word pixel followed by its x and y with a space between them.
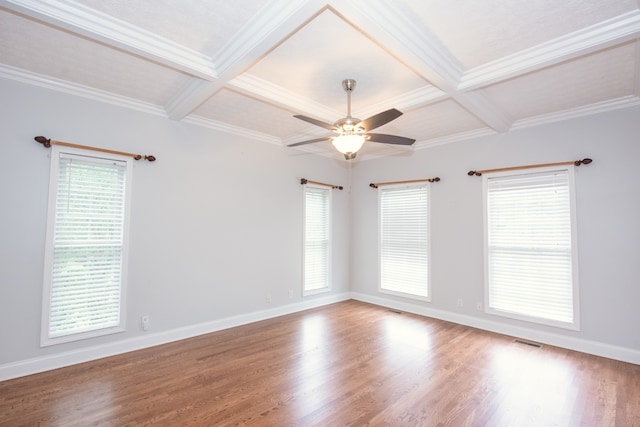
pixel 390 139
pixel 315 122
pixel 380 119
pixel 295 144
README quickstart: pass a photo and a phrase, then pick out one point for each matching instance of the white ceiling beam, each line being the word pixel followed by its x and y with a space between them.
pixel 113 32
pixel 420 50
pixel 402 38
pixel 276 95
pixel 608 33
pixel 273 24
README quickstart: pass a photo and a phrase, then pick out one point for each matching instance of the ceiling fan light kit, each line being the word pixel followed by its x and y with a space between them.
pixel 352 132
pixel 348 143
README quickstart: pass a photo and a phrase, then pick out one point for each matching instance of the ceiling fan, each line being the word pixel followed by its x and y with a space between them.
pixel 351 133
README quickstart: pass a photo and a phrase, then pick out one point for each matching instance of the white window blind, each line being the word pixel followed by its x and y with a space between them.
pixel 317 240
pixel 530 250
pixel 85 256
pixel 404 240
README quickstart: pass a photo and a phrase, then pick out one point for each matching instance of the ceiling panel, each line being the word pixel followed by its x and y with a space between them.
pixel 598 77
pixel 434 121
pixel 477 32
pixel 246 67
pixel 204 25
pixel 61 55
pixel 239 110
pixel 314 61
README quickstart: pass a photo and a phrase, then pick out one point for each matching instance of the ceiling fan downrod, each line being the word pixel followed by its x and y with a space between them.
pixel 349 85
pixel 348 125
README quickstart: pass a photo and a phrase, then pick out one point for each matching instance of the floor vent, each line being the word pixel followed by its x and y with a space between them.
pixel 395 311
pixel 530 344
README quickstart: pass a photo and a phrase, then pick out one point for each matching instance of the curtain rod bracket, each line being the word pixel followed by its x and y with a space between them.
pixel 46 142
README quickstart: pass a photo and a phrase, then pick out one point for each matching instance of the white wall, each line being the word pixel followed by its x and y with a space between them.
pixel 216 223
pixel 608 219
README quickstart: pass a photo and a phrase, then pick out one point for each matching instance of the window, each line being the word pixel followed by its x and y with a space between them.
pixel 530 246
pixel 317 238
pixel 86 246
pixel 404 240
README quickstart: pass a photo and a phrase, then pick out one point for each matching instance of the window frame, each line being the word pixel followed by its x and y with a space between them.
pixel 329 193
pixel 57 153
pixel 575 323
pixel 397 187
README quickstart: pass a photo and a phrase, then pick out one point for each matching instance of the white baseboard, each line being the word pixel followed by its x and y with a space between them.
pixel 623 354
pixel 60 360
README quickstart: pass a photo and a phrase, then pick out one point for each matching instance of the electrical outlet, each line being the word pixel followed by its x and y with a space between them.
pixel 479 306
pixel 144 322
pixel 459 302
pixel 290 293
pixel 269 298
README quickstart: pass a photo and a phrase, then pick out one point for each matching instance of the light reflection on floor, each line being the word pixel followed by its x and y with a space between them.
pixel 314 364
pixel 538 387
pixel 407 346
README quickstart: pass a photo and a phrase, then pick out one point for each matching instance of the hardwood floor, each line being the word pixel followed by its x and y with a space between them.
pixel 349 363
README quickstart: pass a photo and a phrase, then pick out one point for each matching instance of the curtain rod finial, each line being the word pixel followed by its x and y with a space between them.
pixel 44 141
pixel 372 185
pixel 150 158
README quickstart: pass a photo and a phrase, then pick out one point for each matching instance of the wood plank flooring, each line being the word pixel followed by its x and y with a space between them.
pixel 349 363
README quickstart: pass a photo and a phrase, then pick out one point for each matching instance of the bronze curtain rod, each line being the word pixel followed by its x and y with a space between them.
pixel 48 142
pixel 377 184
pixel 584 161
pixel 304 181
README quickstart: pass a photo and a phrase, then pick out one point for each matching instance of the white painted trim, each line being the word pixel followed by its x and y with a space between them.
pixel 475 133
pixel 68 358
pixel 116 33
pixel 624 354
pixel 191 96
pixel 417 40
pixel 234 130
pixel 259 88
pixel 598 107
pixel 272 19
pixel 611 32
pixel 28 77
pixel 418 98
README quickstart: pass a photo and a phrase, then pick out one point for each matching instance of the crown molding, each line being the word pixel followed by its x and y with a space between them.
pixel 611 32
pixel 193 94
pixel 262 33
pixel 277 95
pixel 484 110
pixel 272 24
pixel 461 136
pixel 116 33
pixel 428 56
pixel 64 86
pixel 412 100
pixel 596 108
pixel 231 129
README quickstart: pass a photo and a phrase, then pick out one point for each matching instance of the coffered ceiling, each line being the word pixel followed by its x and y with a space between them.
pixel 455 69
